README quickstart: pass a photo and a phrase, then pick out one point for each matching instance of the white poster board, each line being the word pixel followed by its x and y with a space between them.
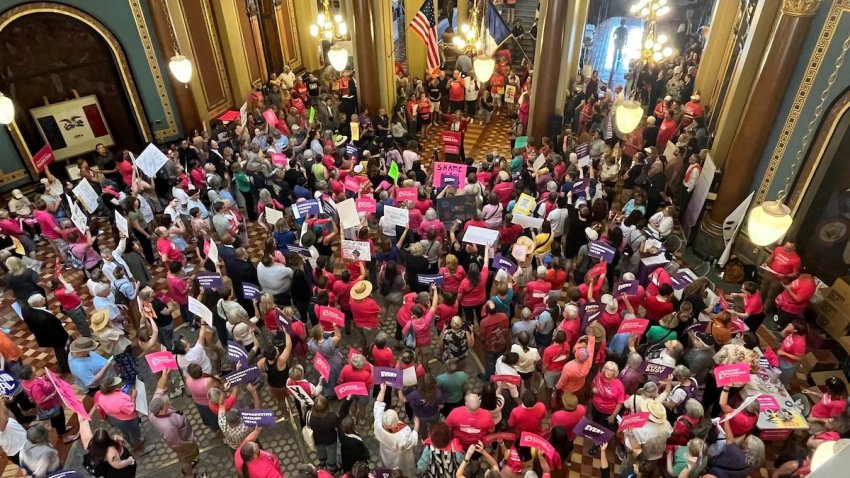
pixel 480 235
pixel 87 195
pixel 731 226
pixel 151 160
pixel 347 212
pixel 78 217
pixel 212 254
pixel 699 195
pixel 121 224
pixel 525 221
pixel 273 215
pixel 199 309
pixel 396 216
pixel 356 250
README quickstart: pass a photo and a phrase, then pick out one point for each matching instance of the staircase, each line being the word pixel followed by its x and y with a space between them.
pixel 526 11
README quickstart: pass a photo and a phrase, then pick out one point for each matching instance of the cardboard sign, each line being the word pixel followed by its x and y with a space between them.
pixel 520 252
pixel 351 388
pixel 767 402
pixel 494 437
pixel 355 130
pixel 503 263
pixel 121 224
pixel 583 153
pixel 210 280
pixel 159 361
pixel 509 379
pixel 593 431
pixel 510 98
pixel 85 193
pixel 454 208
pixel 649 368
pixel 601 250
pixel 635 420
pixel 321 364
pixel 629 287
pixel 406 194
pixel 366 205
pixel 428 279
pixel 449 170
pixel 270 117
pixel 310 207
pixel 212 251
pixel 300 394
pixel 396 216
pixel 390 376
pixel 536 441
pixel 198 308
pixel 251 291
pixel 590 311
pixel 236 353
pixel 735 373
pixel 347 212
pixel 539 162
pixel 151 160
pixel 527 222
pixel 273 215
pixel 247 375
pixel 279 160
pixel 351 184
pixel 681 279
pixel 524 205
pixel 262 417
pixel 356 250
pixel 633 326
pixel 67 394
pixel 331 315
pixel 480 235
pixel 43 157
pixel 451 141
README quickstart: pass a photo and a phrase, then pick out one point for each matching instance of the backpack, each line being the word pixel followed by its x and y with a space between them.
pixel 497 339
pixel 75 261
pixel 691 391
pixel 410 337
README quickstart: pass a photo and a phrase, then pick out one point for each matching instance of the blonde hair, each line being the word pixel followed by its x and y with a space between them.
pixel 266 303
pixel 451 263
pixel 15 265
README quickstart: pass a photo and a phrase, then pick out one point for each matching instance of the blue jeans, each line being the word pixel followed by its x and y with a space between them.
pixel 490 363
pixel 327 454
pixel 787 371
pixel 166 335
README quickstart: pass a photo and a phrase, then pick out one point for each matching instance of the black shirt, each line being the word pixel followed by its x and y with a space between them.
pixel 313 86
pixel 162 320
pixel 435 92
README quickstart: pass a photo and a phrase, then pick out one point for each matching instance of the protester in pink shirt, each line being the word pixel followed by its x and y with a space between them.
pixel 472 294
pixel 120 411
pixel 453 274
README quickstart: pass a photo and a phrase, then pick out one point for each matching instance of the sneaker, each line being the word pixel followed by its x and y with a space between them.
pixel 776 318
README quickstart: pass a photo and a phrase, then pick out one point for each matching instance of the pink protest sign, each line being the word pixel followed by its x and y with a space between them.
pixel 366 205
pixel 537 441
pixel 351 184
pixel 510 379
pixel 321 364
pixel 633 326
pixel 406 194
pixel 279 159
pixel 351 388
pixel 270 117
pixel 160 361
pixel 767 402
pixel 494 437
pixel 775 434
pixel 732 374
pixel 451 141
pixel 635 420
pixel 67 394
pixel 331 315
pixel 449 174
pixel 43 157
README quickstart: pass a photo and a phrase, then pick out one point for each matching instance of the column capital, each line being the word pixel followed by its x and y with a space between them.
pixel 800 8
pixel 253 8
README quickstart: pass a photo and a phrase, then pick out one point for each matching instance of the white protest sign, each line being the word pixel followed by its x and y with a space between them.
pixel 78 217
pixel 301 395
pixel 87 195
pixel 356 250
pixel 199 309
pixel 584 162
pixel 480 235
pixel 243 114
pixel 396 216
pixel 212 254
pixel 347 211
pixel 273 215
pixel 151 160
pixel 121 224
pixel 525 221
pixel 539 162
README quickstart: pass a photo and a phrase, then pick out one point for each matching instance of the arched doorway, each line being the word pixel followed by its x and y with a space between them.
pixel 50 53
pixel 822 197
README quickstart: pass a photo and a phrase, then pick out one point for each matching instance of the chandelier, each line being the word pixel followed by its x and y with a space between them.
pixel 330 28
pixel 179 65
pixel 469 42
pixel 650 10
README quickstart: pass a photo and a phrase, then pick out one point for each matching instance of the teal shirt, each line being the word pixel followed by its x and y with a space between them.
pixel 452 386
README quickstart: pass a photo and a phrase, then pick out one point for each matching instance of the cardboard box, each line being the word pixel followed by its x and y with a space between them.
pixel 845 343
pixel 833 320
pixel 842 288
pixel 819 360
pixel 819 378
pixel 834 297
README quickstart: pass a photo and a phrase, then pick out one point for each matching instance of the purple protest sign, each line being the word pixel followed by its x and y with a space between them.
pixel 590 311
pixel 428 279
pixel 649 368
pixel 383 473
pixel 681 280
pixel 389 376
pixel 251 291
pixel 629 287
pixel 210 280
pixel 578 186
pixel 302 251
pixel 243 376
pixel 593 431
pixel 262 417
pixel 236 353
pixel 583 150
pixel 601 250
pixel 65 474
pixel 502 262
pixel 307 208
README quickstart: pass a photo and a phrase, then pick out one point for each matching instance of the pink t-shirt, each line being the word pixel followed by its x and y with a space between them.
pixel 804 288
pixel 421 329
pixel 535 292
pixel 795 345
pixel 451 282
pixel 197 388
pixel 117 405
pixel 469 427
pixel 265 465
pixel 829 407
pixel 47 223
pixel 177 289
pixel 474 294
pixel 524 419
pixel 753 304
pixel 609 393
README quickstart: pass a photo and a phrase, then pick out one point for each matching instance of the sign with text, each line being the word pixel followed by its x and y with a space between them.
pixel 310 207
pixel 43 157
pixel 449 170
pixel 351 388
pixel 273 215
pixel 270 117
pixel 454 208
pixel 159 361
pixel 121 224
pixel 681 279
pixel 583 153
pixel 210 280
pixel 593 431
pixel 356 250
pixel 635 420
pixel 524 205
pixel 629 287
pixel 198 308
pixel 300 394
pixel 509 379
pixel 527 222
pixel 503 263
pixel 9 385
pixel 503 436
pixel 650 368
pixel 396 216
pixel 251 291
pixel 262 417
pixel 735 373
pixel 601 250
pixel 331 315
pixel 633 326
pixel 351 184
pixel 366 205
pixel 321 364
pixel 389 376
pixel 536 441
pixel 247 375
pixel 428 279
pixel 451 141
pixel 67 394
pixel 591 311
pixel 406 194
pixel 480 235
pixel 767 402
pixel 236 353
pixel 151 160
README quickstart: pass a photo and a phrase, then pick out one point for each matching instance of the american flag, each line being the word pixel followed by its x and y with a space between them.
pixel 424 24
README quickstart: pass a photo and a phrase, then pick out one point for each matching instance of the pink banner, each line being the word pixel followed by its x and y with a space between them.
pixel 633 326
pixel 160 361
pixel 635 420
pixel 451 141
pixel 767 402
pixel 351 388
pixel 775 434
pixel 321 364
pixel 270 117
pixel 735 373
pixel 351 184
pixel 43 157
pixel 537 441
pixel 352 352
pixel 406 194
pixel 366 205
pixel 449 174
pixel 494 437
pixel 279 159
pixel 511 379
pixel 331 315
pixel 67 394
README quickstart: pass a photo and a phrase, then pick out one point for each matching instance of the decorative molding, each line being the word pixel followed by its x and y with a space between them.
pixel 295 62
pixel 800 8
pixel 839 8
pixel 253 8
pixel 153 63
pixel 11 177
pixel 218 108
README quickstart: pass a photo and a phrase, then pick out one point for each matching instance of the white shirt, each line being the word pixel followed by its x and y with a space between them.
pixel 503 369
pixel 472 89
pixel 661 224
pixel 13 438
pixel 195 355
pixel 287 80
pixel 557 219
pixel 396 448
pixel 408 157
pixel 527 359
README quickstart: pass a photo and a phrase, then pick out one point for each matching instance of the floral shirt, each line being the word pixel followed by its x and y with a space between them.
pixel 734 353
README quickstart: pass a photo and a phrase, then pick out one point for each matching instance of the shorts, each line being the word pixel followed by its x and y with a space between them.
pixel 526 375
pixel 551 378
pixel 187 452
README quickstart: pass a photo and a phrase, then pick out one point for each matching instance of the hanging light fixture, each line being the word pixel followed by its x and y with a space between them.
pixel 627 116
pixel 469 42
pixel 331 28
pixel 338 56
pixel 650 10
pixel 7 110
pixel 179 65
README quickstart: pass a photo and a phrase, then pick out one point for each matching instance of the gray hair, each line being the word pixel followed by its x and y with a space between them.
pixel 526 313
pixel 677 349
pixel 634 360
pixel 265 195
pixel 754 449
pixel 358 361
pixel 694 409
pixel 649 390
pixel 570 310
pixel 214 394
pixel 158 403
pixel 681 372
pixel 541 272
pixel 431 214
pixel 38 434
pixel 36 300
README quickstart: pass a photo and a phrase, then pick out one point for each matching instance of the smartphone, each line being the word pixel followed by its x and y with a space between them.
pixel 110 360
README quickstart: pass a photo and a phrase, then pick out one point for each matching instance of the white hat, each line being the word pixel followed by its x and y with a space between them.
pixel 650 120
pixel 695 97
pixel 657 412
pixel 591 233
pixel 610 303
pixel 295 128
pixel 358 169
pixel 668 98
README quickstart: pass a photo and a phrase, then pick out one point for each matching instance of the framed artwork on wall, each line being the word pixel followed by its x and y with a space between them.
pixel 73 127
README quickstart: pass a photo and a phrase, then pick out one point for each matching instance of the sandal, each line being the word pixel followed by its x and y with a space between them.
pixel 70 439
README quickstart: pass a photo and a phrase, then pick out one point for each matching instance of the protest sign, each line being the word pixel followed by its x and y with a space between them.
pixel 355 130
pixel 236 353
pixel 731 374
pixel 365 205
pixel 767 402
pixel 451 141
pixel 480 235
pixel 633 326
pixel 302 251
pixel 198 308
pixel 583 153
pixel 393 172
pixel 591 311
pixel 682 279
pixel 356 250
pixel 212 251
pixel 601 250
pixel 634 420
pixel 531 440
pixel 263 417
pixel 539 162
pixel 85 193
pixel 210 280
pixel 151 160
pixel 65 474
pixel 449 170
pixel 273 215
pixel 9 385
pixel 251 291
pixel 270 118
pixel 503 263
pixel 510 98
pixel 509 379
pixel 347 211
pixel 310 207
pixel 321 364
pixel 519 251
pixel 67 394
pixel 406 194
pixel 351 388
pixel 593 431
pixel 428 279
pixel 121 224
pixel 331 315
pixel 503 436
pixel 628 287
pixel 159 361
pixel 454 208
pixel 279 160
pixel 650 368
pixel 396 216
pixel 351 184
pixel 247 375
pixel 390 376
pixel 78 217
pixel 527 222
pixel 300 394
pixel 383 473
pixel 43 157
pixel 524 205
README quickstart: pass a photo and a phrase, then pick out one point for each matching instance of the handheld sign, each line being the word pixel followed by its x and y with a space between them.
pixel 393 172
pixel 601 250
pixel 494 437
pixel 524 205
pixel 121 224
pixel 635 420
pixel 65 474
pixel 356 250
pixel 633 326
pixel 351 184
pixel 591 311
pixel 366 205
pixel 649 368
pixel 390 376
pixel 406 194
pixel 199 309
pixel 258 418
pixel 593 431
pixel 273 215
pixel 159 361
pixel 300 394
pixel 309 207
pixel 480 235
pixel 452 174
pixel 236 353
pixel 247 375
pixel 451 141
pixel 681 279
pixel 503 263
pixel 735 373
pixel 250 291
pixel 428 279
pixel 629 287
pixel 331 315
pixel 321 364
pixel 210 280
pixel 67 394
pixel 9 385
pixel 351 388
pixel 536 441
pixel 396 216
pixel 509 379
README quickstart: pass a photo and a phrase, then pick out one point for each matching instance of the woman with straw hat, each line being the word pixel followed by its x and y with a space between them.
pixel 114 342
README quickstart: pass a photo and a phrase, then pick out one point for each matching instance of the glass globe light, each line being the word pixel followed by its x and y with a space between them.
pixel 7 109
pixel 459 42
pixel 663 11
pixel 667 51
pixel 662 38
pixel 338 56
pixel 768 222
pixel 484 67
pixel 329 34
pixel 648 43
pixel 470 35
pixel 314 31
pixel 644 12
pixel 342 29
pixel 181 68
pixel 464 28
pixel 656 47
pixel 338 18
pixel 627 116
pixel 321 18
pixel 657 56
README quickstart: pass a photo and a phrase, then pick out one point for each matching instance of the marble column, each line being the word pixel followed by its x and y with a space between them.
pixel 364 54
pixel 760 112
pixel 549 52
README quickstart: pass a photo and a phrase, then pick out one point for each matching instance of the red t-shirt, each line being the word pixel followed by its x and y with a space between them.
pixel 568 420
pixel 349 374
pixel 470 427
pixel 474 295
pixel 510 234
pixel 382 357
pixel 555 357
pixel 342 290
pixel 265 465
pixel 804 288
pixel 659 276
pixel 571 330
pixel 742 423
pixel 829 407
pixel 795 345
pixel 68 300
pixel 609 393
pixel 783 261
pixel 167 248
pixel 365 313
pixel 505 192
pixel 656 309
pixel 492 322
pixel 610 322
pixel 457 91
pixel 753 304
pixel 451 282
pixel 527 419
pixel 535 292
pixel 178 291
pixel 444 315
